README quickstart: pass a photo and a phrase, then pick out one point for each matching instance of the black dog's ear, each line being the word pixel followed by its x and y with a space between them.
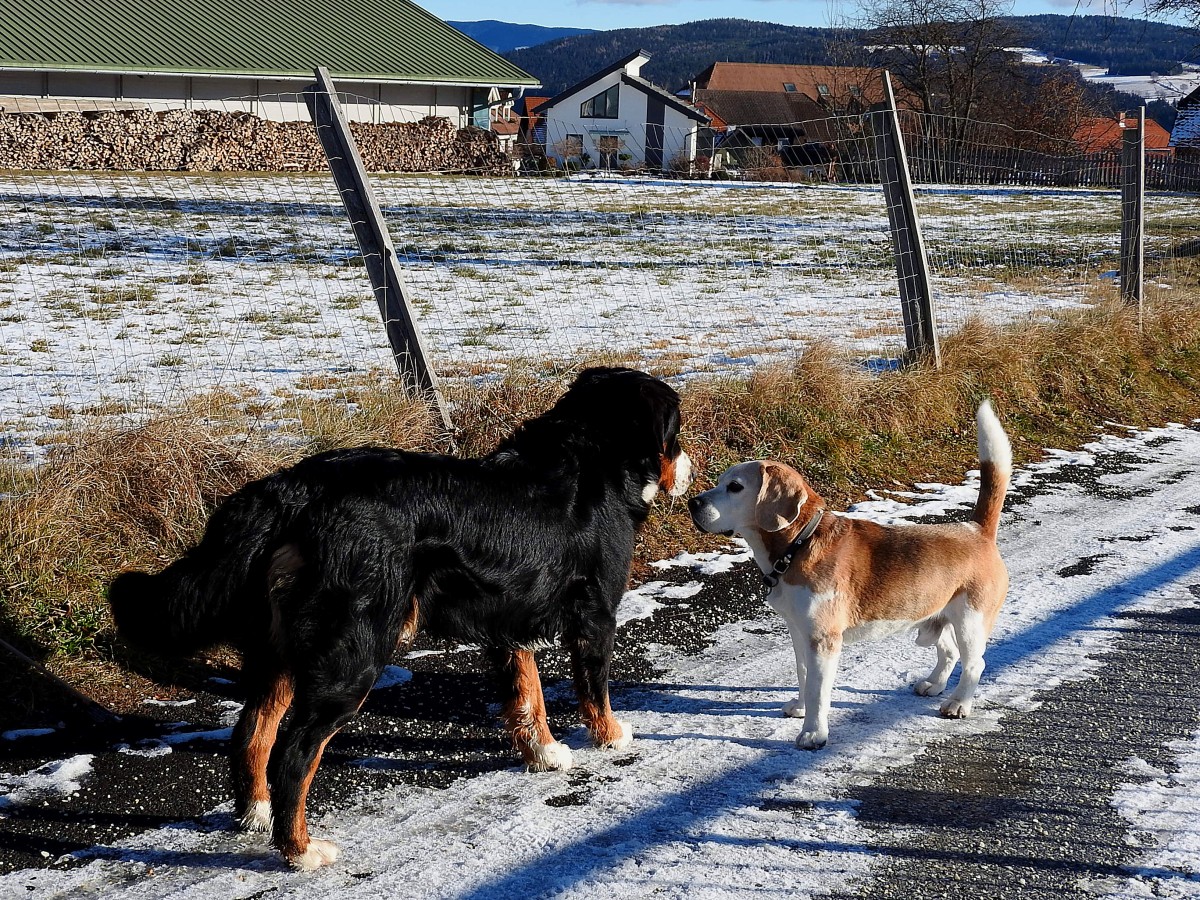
pixel 663 403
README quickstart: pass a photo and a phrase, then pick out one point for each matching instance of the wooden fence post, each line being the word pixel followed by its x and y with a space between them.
pixel 1133 195
pixel 374 241
pixel 912 264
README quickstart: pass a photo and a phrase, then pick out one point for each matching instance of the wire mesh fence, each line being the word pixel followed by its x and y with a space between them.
pixel 123 292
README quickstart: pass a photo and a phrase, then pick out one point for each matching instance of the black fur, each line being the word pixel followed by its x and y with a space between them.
pixel 312 572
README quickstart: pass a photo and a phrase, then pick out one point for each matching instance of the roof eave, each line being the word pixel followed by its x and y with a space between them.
pixel 365 78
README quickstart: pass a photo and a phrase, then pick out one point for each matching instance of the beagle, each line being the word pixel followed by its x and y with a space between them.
pixel 837 579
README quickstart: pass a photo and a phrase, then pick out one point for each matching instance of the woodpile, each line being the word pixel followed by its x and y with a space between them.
pixel 209 141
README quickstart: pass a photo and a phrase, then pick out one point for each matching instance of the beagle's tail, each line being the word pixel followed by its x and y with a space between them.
pixel 995 469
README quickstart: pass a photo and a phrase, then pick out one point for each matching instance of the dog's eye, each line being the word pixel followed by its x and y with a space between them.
pixel 734 487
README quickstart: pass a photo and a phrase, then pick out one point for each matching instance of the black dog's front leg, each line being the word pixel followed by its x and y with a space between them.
pixel 523 709
pixel 591 657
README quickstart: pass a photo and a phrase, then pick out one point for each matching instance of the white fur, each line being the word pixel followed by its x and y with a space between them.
pixel 620 743
pixel 319 853
pixel 547 757
pixel 993 442
pixel 683 475
pixel 649 491
pixel 258 816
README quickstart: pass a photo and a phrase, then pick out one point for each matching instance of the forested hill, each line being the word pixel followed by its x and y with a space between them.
pixel 505 36
pixel 680 52
pixel 1124 46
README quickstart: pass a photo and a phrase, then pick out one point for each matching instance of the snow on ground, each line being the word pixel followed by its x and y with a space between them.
pixel 1165 814
pixel 713 800
pixel 61 777
pixel 120 293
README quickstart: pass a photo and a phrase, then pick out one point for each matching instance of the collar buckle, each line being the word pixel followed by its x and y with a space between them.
pixel 781 565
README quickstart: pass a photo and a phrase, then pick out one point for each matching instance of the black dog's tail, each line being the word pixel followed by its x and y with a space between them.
pixel 215 593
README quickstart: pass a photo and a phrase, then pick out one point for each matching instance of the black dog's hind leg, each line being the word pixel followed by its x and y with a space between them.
pixel 523 708
pixel 269 695
pixel 591 656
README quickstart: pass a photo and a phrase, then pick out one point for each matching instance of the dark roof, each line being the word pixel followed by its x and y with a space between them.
pixel 376 40
pixel 1186 131
pixel 666 97
pixel 762 108
pixel 594 77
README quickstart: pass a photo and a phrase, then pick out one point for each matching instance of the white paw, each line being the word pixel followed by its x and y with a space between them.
pixel 929 688
pixel 956 709
pixel 319 853
pixel 621 742
pixel 257 817
pixel 550 757
pixel 812 740
pixel 794 708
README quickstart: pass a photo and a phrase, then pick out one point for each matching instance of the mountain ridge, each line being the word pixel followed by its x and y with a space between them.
pixel 680 52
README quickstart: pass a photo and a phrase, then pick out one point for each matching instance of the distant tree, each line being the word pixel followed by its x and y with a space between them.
pixel 952 55
pixel 1189 9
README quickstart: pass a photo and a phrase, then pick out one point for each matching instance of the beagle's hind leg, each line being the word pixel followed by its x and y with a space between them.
pixel 947 656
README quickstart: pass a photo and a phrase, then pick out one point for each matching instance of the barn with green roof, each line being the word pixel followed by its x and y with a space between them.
pixel 246 55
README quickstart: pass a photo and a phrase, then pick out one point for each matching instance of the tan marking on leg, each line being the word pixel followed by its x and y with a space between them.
pixel 602 725
pixel 295 845
pixel 525 714
pixel 267 717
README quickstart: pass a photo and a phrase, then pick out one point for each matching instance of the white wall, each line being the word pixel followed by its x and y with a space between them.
pixel 630 125
pixel 275 99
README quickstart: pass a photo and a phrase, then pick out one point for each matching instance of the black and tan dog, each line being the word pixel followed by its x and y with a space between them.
pixel 318 572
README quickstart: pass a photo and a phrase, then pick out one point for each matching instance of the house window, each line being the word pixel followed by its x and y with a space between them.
pixel 602 106
pixel 855 91
pixel 789 87
pixel 823 90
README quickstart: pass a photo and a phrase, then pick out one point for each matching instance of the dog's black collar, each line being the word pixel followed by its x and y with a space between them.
pixel 781 565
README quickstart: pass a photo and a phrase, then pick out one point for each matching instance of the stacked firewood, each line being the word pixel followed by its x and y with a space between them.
pixel 210 141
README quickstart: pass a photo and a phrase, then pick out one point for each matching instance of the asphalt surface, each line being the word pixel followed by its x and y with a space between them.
pixel 1023 811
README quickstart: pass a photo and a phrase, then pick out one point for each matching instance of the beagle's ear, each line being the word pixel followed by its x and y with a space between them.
pixel 780 497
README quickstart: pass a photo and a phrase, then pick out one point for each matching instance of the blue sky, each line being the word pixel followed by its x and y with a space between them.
pixel 608 14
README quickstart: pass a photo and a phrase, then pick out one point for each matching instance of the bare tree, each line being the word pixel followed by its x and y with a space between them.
pixel 950 55
pixel 1188 9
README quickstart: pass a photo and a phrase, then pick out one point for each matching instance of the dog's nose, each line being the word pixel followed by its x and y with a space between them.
pixel 694 505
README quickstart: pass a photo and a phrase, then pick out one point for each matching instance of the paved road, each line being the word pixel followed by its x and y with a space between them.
pixel 1020 811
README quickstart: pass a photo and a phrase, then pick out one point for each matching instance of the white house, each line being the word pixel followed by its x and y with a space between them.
pixel 391 59
pixel 615 118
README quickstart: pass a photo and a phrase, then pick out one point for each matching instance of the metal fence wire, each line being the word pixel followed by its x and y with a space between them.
pixel 125 292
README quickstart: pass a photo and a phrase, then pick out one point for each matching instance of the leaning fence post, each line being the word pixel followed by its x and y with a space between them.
pixel 374 241
pixel 1133 195
pixel 912 264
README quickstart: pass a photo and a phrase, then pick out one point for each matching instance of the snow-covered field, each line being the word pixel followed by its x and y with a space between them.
pixel 715 802
pixel 119 293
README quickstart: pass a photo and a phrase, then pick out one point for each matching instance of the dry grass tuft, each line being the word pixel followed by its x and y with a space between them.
pixel 106 501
